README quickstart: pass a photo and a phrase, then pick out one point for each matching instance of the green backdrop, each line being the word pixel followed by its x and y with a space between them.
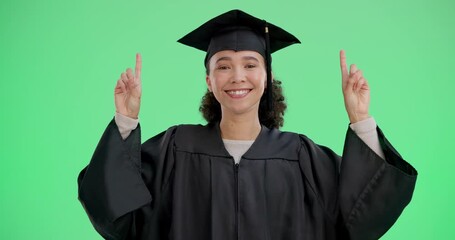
pixel 59 61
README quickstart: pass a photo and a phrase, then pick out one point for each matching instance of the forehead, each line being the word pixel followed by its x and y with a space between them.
pixel 236 55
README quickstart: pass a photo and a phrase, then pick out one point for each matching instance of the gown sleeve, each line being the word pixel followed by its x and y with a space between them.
pixel 373 192
pixel 112 186
pixel 361 193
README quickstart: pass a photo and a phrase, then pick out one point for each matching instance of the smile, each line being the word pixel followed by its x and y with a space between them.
pixel 239 93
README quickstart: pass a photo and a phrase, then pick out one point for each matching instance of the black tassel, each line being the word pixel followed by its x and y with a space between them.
pixel 269 68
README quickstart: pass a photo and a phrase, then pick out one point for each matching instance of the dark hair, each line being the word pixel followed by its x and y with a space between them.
pixel 211 108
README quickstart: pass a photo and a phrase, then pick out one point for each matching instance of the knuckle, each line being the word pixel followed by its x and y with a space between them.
pixel 358 74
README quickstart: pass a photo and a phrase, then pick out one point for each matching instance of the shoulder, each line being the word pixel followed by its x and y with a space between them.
pixel 194 131
pixel 285 136
pixel 289 138
pixel 313 148
pixel 281 138
pixel 178 131
pixel 275 144
pixel 200 139
pixel 306 146
pixel 193 138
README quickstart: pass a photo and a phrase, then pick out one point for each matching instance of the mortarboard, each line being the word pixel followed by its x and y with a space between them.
pixel 237 30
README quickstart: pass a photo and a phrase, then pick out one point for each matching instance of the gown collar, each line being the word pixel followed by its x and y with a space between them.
pixel 269 144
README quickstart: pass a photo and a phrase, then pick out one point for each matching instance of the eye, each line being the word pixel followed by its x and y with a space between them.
pixel 222 67
pixel 250 65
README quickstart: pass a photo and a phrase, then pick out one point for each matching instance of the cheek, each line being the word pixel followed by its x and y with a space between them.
pixel 261 79
pixel 218 81
pixel 215 86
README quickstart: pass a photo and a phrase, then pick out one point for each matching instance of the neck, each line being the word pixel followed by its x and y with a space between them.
pixel 240 127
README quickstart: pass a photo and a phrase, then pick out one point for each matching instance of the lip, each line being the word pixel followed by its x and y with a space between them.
pixel 238 93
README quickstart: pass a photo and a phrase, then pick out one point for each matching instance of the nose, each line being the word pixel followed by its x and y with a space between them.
pixel 239 75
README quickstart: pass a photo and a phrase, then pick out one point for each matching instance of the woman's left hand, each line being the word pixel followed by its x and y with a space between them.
pixel 356 91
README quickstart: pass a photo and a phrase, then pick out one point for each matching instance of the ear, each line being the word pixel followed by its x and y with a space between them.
pixel 208 82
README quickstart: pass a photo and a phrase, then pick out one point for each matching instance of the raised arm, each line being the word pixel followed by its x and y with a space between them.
pixel 111 187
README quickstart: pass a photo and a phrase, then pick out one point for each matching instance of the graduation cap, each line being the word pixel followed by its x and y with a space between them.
pixel 237 30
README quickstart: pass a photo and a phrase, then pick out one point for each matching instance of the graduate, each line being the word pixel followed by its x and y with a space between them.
pixel 239 177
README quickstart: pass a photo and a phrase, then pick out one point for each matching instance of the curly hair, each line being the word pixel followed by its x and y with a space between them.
pixel 211 108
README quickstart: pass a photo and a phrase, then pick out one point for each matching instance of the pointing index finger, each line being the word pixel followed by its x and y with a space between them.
pixel 344 70
pixel 138 68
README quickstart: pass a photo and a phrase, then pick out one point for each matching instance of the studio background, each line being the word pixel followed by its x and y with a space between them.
pixel 59 62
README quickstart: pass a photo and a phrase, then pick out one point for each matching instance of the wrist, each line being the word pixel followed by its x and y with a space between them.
pixel 354 118
pixel 126 115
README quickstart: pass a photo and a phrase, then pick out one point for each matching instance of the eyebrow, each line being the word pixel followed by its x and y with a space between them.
pixel 243 58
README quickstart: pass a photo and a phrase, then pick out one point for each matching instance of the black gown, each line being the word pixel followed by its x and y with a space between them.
pixel 183 184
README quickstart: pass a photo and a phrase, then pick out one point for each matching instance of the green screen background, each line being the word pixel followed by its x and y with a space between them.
pixel 59 61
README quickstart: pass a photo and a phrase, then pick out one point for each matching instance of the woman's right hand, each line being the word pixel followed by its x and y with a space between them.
pixel 127 93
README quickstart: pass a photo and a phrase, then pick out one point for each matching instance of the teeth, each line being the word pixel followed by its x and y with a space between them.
pixel 238 92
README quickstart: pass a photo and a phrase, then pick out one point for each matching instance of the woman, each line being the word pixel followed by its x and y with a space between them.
pixel 239 177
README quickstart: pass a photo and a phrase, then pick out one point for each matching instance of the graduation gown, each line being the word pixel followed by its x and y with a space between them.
pixel 183 184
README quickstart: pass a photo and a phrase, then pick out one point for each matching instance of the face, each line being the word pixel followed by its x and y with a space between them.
pixel 237 80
